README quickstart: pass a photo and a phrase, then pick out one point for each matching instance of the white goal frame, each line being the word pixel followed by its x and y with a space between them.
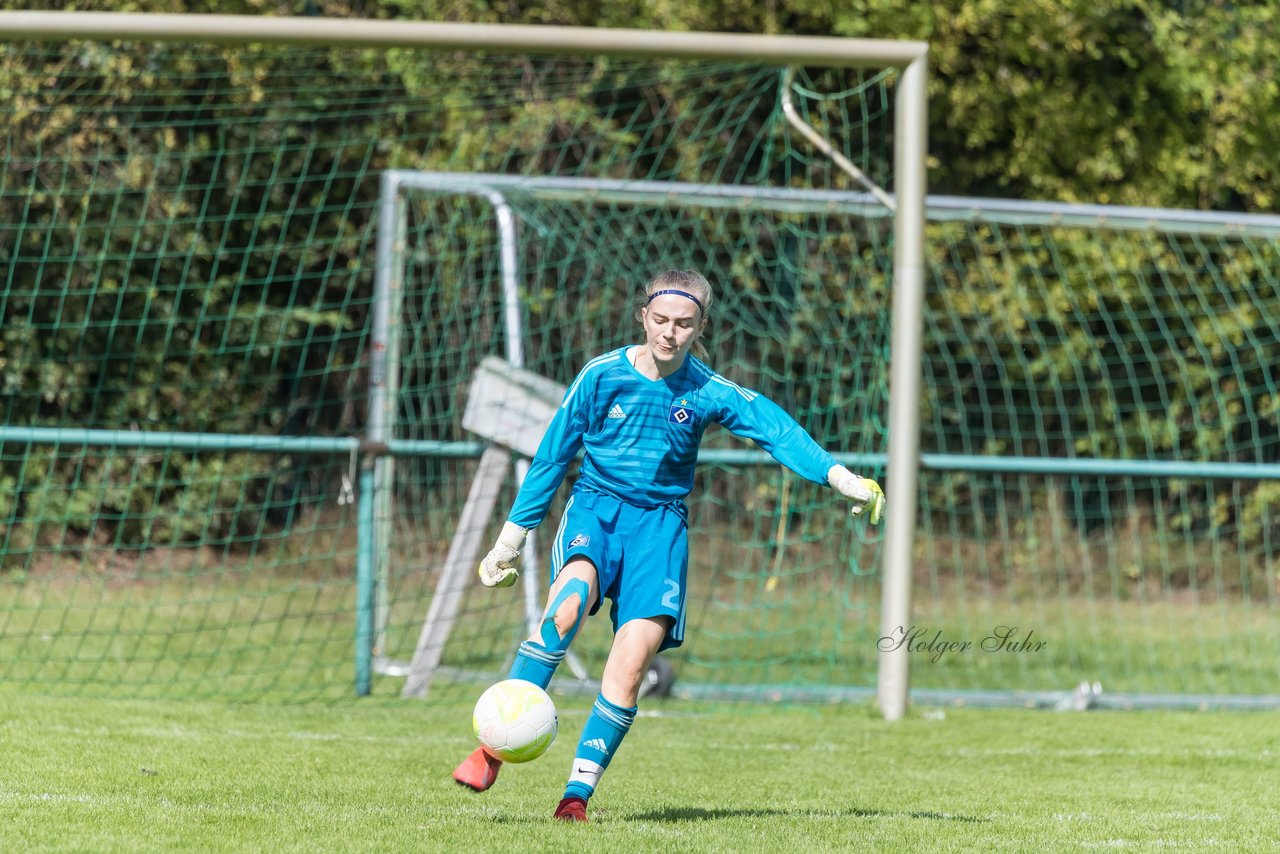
pixel 908 57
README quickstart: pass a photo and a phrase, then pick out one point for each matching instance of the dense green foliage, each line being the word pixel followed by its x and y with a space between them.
pixel 1136 102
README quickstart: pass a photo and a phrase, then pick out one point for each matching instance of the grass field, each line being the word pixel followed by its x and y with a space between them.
pixel 111 775
pixel 180 768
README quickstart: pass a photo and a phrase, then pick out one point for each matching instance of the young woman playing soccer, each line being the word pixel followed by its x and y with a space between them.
pixel 639 412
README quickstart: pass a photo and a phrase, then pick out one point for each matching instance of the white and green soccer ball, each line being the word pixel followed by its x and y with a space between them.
pixel 515 720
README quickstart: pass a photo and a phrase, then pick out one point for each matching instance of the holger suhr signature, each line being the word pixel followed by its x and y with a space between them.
pixel 920 639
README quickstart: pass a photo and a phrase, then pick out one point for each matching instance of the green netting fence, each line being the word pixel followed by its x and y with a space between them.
pixel 1097 470
pixel 187 237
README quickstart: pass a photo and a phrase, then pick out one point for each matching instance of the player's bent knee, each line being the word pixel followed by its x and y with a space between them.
pixel 569 614
pixel 565 614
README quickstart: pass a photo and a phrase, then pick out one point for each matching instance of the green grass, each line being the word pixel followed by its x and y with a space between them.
pixel 119 775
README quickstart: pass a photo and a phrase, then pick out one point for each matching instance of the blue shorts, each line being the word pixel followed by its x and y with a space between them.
pixel 641 556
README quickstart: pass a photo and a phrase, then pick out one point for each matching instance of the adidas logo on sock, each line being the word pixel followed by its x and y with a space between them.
pixel 617 412
pixel 597 744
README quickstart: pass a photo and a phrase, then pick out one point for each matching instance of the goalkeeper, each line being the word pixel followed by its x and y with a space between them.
pixel 639 412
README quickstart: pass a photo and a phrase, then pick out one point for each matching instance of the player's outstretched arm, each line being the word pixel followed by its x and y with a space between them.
pixel 498 568
pixel 559 445
pixel 863 492
pixel 750 414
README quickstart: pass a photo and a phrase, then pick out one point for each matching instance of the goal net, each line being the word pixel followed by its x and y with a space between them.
pixel 783 596
pixel 189 216
pixel 188 232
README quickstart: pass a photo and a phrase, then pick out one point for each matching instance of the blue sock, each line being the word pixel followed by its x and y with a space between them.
pixel 537 662
pixel 601 737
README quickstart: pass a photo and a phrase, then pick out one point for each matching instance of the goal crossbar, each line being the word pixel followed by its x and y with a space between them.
pixel 517 38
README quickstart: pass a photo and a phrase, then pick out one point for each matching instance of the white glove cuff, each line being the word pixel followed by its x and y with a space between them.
pixel 842 480
pixel 513 536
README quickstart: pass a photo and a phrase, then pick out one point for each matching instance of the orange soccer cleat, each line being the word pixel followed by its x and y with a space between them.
pixel 478 771
pixel 571 809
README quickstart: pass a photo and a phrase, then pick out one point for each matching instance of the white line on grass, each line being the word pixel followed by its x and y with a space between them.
pixel 1216 753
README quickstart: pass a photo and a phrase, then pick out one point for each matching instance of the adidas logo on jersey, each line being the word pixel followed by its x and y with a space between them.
pixel 597 744
pixel 617 412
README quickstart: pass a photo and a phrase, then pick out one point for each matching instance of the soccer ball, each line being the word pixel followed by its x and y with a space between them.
pixel 515 720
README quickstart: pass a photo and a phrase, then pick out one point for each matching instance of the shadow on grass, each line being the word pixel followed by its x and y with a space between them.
pixel 674 814
pixel 694 814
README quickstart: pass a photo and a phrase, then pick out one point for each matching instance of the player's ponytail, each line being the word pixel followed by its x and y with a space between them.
pixel 690 282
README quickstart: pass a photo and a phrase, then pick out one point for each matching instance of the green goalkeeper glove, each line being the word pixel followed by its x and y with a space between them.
pixel 498 569
pixel 864 492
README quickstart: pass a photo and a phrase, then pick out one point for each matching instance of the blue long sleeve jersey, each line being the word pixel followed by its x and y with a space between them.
pixel 642 435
